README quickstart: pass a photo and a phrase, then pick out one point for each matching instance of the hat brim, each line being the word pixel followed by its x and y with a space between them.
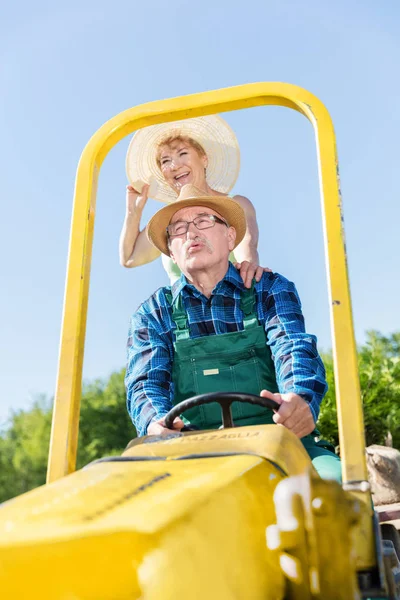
pixel 214 135
pixel 229 209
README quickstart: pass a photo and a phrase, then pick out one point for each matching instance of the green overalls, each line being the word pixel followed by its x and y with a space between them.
pixel 232 362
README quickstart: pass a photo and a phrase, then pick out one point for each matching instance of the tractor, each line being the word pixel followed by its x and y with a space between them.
pixel 236 513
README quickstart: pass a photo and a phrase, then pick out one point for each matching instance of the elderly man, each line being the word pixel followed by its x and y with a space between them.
pixel 208 333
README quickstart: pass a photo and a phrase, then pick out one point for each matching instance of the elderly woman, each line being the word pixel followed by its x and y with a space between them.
pixel 161 159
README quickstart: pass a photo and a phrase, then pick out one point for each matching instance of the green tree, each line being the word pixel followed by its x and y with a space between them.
pixel 24 448
pixel 379 370
pixel 105 428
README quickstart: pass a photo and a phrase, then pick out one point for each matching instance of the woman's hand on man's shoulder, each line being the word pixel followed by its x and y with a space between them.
pixel 249 271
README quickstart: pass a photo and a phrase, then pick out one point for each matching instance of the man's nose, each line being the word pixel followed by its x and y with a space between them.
pixel 192 231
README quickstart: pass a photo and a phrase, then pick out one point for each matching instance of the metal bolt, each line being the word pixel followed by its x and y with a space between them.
pixel 319 506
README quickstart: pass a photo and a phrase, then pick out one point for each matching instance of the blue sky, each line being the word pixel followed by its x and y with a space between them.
pixel 67 68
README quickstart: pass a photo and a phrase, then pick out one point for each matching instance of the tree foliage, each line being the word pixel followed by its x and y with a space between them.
pixel 105 427
pixel 23 450
pixel 379 370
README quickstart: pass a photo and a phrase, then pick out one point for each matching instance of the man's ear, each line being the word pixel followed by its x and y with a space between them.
pixel 231 238
pixel 171 255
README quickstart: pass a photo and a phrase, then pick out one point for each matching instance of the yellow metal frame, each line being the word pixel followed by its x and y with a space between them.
pixel 65 426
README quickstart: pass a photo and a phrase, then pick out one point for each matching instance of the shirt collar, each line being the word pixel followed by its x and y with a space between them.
pixel 232 278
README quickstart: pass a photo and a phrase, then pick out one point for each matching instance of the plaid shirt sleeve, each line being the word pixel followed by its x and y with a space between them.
pixel 148 380
pixel 298 366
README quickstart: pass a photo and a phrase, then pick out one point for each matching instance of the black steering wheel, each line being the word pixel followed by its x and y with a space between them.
pixel 224 399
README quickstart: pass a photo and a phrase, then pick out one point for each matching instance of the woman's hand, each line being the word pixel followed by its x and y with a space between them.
pixel 250 271
pixel 135 200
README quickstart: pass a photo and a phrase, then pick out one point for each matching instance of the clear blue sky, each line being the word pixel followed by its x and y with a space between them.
pixel 66 68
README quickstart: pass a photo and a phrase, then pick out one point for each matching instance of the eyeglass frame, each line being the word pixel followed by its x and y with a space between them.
pixel 214 220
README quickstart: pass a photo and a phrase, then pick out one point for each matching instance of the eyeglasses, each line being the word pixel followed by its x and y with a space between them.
pixel 201 222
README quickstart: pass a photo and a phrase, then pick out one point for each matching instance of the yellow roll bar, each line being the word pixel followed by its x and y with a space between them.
pixel 65 425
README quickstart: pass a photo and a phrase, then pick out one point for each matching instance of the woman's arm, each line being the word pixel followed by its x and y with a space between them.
pixel 247 249
pixel 134 247
pixel 246 252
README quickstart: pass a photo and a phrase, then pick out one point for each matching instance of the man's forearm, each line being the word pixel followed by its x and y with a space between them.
pixel 299 368
pixel 146 402
pixel 143 411
pixel 148 381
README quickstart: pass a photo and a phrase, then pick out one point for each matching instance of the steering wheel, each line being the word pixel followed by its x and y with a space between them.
pixel 224 399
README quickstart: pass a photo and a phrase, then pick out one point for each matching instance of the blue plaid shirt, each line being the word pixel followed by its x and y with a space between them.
pixel 149 385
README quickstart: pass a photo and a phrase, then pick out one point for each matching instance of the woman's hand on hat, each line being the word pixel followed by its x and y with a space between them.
pixel 249 271
pixel 135 200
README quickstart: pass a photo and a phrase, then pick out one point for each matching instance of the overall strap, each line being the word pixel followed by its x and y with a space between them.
pixel 179 317
pixel 248 305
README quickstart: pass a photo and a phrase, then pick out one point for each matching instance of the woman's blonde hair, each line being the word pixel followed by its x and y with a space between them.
pixel 171 138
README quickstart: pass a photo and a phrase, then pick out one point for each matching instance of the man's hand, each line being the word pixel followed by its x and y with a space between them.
pixel 158 427
pixel 249 271
pixel 294 412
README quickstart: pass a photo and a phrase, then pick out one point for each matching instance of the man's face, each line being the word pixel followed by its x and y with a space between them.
pixel 200 249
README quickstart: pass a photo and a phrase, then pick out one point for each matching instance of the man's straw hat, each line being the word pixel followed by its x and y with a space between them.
pixel 228 209
pixel 211 132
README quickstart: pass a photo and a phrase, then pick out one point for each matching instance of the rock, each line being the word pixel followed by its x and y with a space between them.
pixel 384 474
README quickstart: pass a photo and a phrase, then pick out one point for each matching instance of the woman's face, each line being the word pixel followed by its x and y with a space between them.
pixel 180 164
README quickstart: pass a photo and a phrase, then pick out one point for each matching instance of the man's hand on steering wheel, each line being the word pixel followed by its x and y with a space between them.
pixel 158 427
pixel 294 412
pixel 224 399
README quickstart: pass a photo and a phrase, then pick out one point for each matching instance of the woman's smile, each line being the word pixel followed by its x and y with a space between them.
pixel 182 179
pixel 181 163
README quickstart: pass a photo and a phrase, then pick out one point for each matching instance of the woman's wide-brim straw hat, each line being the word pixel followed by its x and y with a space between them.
pixel 211 132
pixel 228 209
